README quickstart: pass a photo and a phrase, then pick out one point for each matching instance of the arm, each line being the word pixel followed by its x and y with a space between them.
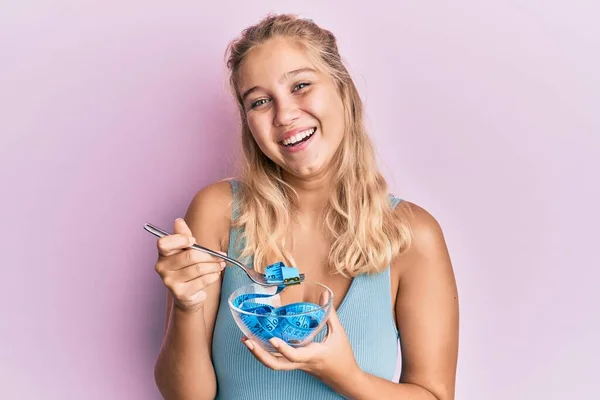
pixel 427 317
pixel 184 368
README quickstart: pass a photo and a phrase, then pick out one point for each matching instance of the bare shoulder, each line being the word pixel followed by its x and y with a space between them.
pixel 426 230
pixel 427 238
pixel 209 214
pixel 212 198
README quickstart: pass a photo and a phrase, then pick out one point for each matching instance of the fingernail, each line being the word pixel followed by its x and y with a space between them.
pixel 192 240
pixel 249 344
pixel 222 264
pixel 274 342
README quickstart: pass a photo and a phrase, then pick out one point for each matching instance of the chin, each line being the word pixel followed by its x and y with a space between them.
pixel 314 170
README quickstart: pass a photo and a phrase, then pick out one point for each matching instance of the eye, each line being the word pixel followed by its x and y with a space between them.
pixel 301 86
pixel 258 103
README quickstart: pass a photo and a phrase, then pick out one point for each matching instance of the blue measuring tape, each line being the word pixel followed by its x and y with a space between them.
pixel 279 321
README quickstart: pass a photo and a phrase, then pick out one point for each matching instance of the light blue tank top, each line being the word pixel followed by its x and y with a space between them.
pixel 373 336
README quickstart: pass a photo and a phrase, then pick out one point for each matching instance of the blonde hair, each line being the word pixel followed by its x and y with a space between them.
pixel 365 232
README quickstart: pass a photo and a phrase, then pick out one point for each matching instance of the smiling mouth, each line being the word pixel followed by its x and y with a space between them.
pixel 298 138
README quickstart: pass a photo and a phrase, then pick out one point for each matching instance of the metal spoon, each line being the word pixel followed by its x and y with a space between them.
pixel 255 276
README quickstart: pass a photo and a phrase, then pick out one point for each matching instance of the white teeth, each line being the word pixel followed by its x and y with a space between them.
pixel 298 136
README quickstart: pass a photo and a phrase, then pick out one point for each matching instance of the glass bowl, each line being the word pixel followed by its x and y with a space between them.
pixel 295 314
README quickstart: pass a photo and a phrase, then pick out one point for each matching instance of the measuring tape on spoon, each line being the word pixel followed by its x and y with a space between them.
pixel 269 323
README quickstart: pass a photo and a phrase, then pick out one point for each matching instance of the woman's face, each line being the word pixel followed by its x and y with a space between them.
pixel 294 111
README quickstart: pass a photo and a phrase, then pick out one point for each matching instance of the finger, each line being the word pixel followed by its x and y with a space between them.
pixel 190 257
pixel 180 226
pixel 333 323
pixel 191 288
pixel 203 281
pixel 268 359
pixel 324 298
pixel 296 355
pixel 197 270
pixel 172 244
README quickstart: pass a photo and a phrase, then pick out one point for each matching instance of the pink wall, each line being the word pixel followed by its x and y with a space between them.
pixel 486 114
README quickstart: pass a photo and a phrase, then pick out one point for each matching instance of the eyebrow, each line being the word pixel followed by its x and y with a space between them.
pixel 285 76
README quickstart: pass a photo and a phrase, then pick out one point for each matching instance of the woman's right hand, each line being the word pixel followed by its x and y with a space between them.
pixel 184 271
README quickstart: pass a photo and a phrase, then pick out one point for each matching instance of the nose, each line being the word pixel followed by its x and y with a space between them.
pixel 286 112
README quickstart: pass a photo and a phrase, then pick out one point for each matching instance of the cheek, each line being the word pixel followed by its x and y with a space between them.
pixel 256 127
pixel 333 115
pixel 318 104
pixel 327 106
pixel 260 129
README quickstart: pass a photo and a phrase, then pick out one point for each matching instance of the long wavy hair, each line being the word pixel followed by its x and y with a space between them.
pixel 365 232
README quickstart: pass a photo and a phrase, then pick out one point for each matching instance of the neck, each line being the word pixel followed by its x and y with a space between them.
pixel 313 194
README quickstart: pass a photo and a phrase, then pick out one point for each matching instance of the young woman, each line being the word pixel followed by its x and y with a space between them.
pixel 310 195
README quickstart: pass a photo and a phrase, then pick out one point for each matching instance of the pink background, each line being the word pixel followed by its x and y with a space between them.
pixel 484 112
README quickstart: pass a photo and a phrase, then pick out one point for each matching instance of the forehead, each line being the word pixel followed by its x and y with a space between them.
pixel 268 62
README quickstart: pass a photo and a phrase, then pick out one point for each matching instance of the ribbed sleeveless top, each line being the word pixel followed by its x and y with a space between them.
pixel 372 333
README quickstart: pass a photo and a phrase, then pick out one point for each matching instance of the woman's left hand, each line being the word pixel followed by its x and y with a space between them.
pixel 331 360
